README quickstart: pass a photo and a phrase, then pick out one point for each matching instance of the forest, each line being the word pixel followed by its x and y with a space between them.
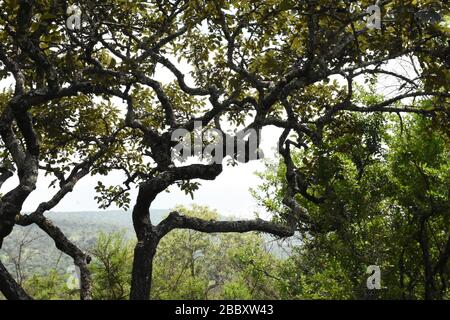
pixel 353 198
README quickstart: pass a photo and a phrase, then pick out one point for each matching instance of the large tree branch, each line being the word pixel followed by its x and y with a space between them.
pixel 177 221
pixel 27 165
pixel 65 245
pixel 61 241
pixel 6 172
pixel 152 187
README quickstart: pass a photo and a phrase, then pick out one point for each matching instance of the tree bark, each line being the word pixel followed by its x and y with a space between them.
pixel 429 283
pixel 141 282
pixel 145 249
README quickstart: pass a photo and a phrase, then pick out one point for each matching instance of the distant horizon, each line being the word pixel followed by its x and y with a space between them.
pixel 223 194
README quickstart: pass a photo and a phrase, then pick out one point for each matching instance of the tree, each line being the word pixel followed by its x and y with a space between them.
pixel 254 64
pixel 111 267
pixel 385 202
pixel 45 127
pixel 421 172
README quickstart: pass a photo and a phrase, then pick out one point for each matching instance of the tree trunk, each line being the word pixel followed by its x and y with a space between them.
pixel 429 283
pixel 148 236
pixel 147 241
pixel 141 281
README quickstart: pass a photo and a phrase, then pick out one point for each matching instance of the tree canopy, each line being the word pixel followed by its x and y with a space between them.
pixel 385 201
pixel 89 99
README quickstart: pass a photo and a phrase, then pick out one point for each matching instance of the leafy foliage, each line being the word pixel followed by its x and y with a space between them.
pixel 386 202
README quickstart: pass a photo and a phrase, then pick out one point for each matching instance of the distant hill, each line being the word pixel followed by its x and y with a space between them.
pixel 103 220
pixel 82 228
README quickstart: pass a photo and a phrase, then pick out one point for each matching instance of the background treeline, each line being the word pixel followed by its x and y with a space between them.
pixel 378 194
